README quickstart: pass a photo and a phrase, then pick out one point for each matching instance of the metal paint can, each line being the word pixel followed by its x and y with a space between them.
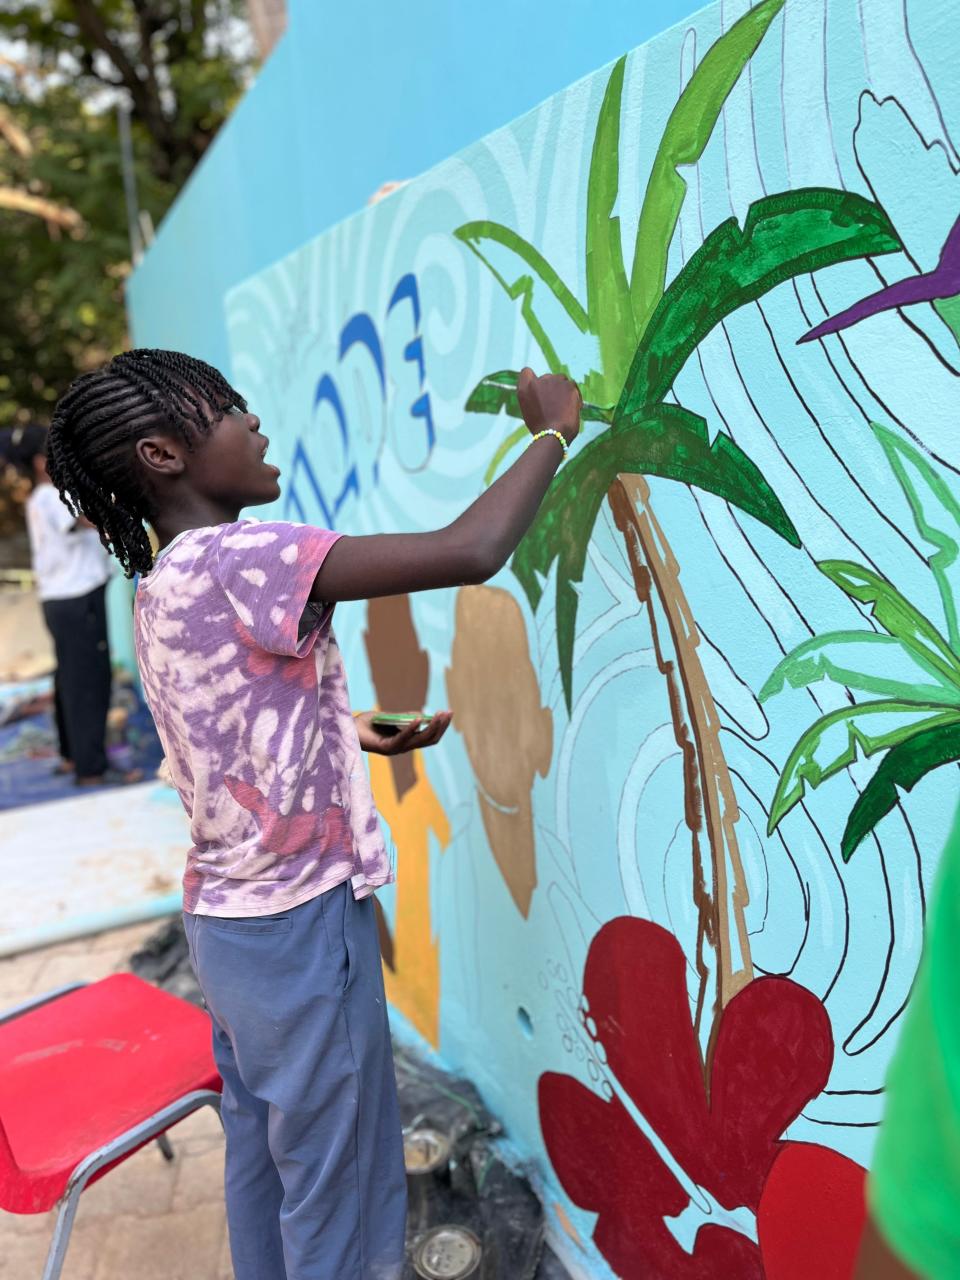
pixel 425 1151
pixel 447 1253
pixel 426 1155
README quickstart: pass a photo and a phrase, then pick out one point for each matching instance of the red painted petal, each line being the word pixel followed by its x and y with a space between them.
pixel 773 1055
pixel 636 987
pixel 606 1165
pixel 601 1157
pixel 811 1214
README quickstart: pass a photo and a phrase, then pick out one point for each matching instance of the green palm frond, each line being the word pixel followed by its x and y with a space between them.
pixel 900 770
pixel 685 137
pixel 531 266
pixel 667 441
pixel 880 665
pixel 608 293
pixel 865 729
pixel 896 615
pixel 783 236
pixel 936 514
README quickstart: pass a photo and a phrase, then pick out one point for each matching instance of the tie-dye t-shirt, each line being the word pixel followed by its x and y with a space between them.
pixel 247 688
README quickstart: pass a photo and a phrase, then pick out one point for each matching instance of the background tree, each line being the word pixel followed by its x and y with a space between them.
pixel 65 65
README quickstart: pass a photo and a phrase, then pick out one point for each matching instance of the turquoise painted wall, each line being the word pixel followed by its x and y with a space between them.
pixel 597 852
pixel 605 902
pixel 355 95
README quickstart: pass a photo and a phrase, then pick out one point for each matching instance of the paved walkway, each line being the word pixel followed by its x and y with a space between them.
pixel 148 1219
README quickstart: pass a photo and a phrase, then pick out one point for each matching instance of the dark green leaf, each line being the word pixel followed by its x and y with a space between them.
pixel 867 729
pixel 784 235
pixel 900 770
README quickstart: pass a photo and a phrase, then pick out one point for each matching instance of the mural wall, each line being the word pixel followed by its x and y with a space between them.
pixel 662 893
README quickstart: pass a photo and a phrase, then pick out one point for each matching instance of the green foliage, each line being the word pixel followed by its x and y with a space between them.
pixel 608 293
pixel 684 141
pixel 900 770
pixel 645 335
pixel 521 283
pixel 866 729
pixel 61 291
pixel 936 514
pixel 897 616
pixel 913 667
pixel 666 440
pixel 783 236
pixel 882 665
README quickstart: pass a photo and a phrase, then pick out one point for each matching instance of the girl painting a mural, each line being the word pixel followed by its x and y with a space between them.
pixel 242 672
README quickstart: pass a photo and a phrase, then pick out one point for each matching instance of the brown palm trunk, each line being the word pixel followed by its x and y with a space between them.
pixel 711 811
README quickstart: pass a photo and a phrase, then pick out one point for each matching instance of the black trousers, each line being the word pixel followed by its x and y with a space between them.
pixel 83 680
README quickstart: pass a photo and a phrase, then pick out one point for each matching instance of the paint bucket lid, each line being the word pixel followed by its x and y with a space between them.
pixel 447 1253
pixel 425 1150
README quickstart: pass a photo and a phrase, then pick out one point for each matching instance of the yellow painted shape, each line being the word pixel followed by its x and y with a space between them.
pixel 414 987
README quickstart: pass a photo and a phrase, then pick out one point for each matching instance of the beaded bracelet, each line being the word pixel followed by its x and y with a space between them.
pixel 552 431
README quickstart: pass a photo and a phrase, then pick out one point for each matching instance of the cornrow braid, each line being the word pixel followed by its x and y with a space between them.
pixel 91 450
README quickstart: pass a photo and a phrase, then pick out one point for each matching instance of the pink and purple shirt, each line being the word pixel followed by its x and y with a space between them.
pixel 247 688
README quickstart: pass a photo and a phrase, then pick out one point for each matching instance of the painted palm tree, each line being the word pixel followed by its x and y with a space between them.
pixel 910 671
pixel 645 331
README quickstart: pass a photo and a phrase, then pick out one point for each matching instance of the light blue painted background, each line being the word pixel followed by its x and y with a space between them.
pixel 355 95
pixel 608 812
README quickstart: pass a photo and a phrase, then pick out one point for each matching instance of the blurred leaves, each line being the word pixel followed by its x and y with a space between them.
pixel 66 255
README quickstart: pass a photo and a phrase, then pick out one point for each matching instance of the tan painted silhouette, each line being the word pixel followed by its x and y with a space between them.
pixel 493 692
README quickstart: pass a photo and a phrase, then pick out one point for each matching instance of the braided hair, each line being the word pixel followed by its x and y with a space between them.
pixel 91 452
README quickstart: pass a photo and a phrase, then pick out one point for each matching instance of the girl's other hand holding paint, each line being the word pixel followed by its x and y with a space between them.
pixel 419 733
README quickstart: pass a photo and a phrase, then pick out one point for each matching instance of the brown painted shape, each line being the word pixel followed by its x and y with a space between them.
pixel 493 691
pixel 384 936
pixel 399 667
pixel 710 800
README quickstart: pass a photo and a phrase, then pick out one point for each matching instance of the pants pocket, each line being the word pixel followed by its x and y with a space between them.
pixel 248 924
pixel 335 907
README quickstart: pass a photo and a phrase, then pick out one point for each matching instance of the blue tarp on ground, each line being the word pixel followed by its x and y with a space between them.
pixel 28 745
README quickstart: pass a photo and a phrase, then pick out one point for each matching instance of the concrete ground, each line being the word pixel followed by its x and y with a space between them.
pixel 147 1219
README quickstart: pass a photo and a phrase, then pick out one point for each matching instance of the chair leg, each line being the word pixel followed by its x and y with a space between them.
pixel 153 1127
pixel 163 1142
pixel 61 1232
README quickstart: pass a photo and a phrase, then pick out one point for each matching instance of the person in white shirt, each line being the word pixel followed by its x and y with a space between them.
pixel 72 569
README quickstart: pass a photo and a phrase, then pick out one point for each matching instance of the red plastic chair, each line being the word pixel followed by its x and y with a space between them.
pixel 88 1074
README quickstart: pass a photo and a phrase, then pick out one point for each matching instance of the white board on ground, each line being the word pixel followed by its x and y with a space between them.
pixel 92 863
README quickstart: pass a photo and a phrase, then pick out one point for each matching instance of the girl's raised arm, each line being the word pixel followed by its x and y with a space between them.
pixel 480 542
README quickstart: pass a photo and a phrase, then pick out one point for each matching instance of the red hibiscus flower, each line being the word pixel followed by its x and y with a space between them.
pixel 772 1055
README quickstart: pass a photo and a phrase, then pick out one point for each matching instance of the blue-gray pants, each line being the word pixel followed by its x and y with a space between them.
pixel 315 1183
